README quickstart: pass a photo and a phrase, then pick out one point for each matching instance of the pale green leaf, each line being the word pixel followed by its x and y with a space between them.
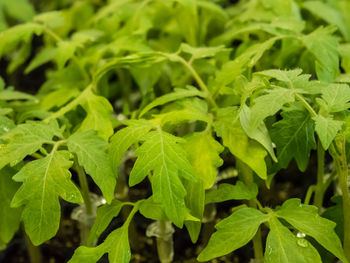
pixel 226 192
pixel 9 217
pixel 324 47
pixel 176 95
pixel 326 12
pixel 25 139
pixel 44 180
pixel 203 153
pixel 8 94
pixel 294 138
pixel 6 125
pixel 269 104
pixel 201 52
pixel 228 127
pixel 284 247
pixel 194 200
pixel 104 216
pixel 162 154
pixel 153 210
pixel 116 245
pixel 260 134
pixel 92 155
pixel 125 138
pixel 326 129
pixel 99 111
pixel 44 56
pixel 22 10
pixel 58 98
pixel 233 232
pixel 335 97
pixel 11 37
pixel 306 219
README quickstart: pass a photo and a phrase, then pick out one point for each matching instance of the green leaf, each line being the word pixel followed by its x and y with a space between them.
pixel 294 138
pixel 193 109
pixel 226 192
pixel 99 111
pixel 260 134
pixel 19 9
pixel 176 95
pixel 326 12
pixel 104 216
pixel 11 37
pixel 44 56
pixel 162 154
pixel 44 180
pixel 25 139
pixel 201 52
pixel 335 98
pixel 153 210
pixel 58 98
pixel 324 47
pixel 228 127
pixel 326 129
pixel 9 217
pixel 15 95
pixel 116 245
pixel 92 155
pixel 6 125
pixel 269 104
pixel 306 219
pixel 203 153
pixel 284 247
pixel 233 232
pixel 125 138
pixel 194 200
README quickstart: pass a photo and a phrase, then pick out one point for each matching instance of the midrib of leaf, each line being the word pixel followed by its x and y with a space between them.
pixel 334 97
pixel 119 244
pixel 279 237
pixel 164 162
pixel 44 186
pixel 294 136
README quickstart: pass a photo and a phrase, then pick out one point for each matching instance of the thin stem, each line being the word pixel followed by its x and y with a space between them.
pixel 84 187
pixel 165 244
pixel 58 39
pixel 71 105
pixel 34 252
pixel 320 187
pixel 133 212
pixel 248 178
pixel 309 193
pixel 195 75
pixel 343 183
pixel 306 105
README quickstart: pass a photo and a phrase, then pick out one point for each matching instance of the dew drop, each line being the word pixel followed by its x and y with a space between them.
pixel 302 242
pixel 300 235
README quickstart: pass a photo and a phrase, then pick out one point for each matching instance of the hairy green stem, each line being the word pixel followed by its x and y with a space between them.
pixel 84 187
pixel 34 252
pixel 84 227
pixel 195 75
pixel 320 187
pixel 309 194
pixel 248 178
pixel 164 245
pixel 343 183
pixel 306 105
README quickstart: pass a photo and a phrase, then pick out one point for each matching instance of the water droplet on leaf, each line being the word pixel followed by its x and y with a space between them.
pixel 303 243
